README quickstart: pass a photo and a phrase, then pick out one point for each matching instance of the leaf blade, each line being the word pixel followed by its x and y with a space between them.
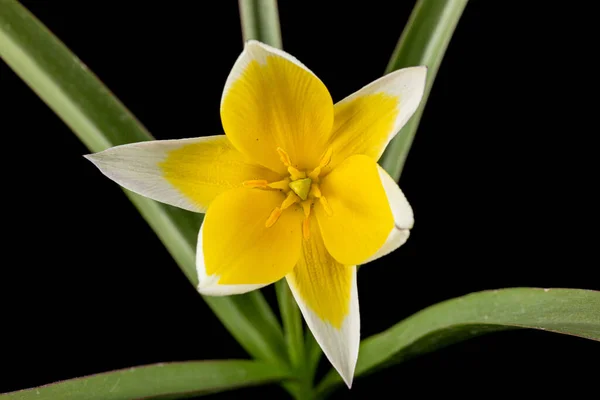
pixel 100 121
pixel 568 311
pixel 423 42
pixel 157 381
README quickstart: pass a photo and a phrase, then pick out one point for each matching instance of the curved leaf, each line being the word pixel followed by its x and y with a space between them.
pixel 100 120
pixel 568 311
pixel 157 381
pixel 423 42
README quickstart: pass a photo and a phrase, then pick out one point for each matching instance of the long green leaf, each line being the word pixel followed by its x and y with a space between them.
pixel 423 42
pixel 568 311
pixel 158 381
pixel 101 121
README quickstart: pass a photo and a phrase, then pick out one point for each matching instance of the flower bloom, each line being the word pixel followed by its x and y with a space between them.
pixel 292 189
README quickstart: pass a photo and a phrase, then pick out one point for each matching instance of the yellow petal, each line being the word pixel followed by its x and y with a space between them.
pixel 367 120
pixel 271 100
pixel 187 173
pixel 360 219
pixel 237 248
pixel 403 216
pixel 209 284
pixel 326 293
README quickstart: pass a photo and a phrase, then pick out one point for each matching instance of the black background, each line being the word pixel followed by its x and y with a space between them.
pixel 499 178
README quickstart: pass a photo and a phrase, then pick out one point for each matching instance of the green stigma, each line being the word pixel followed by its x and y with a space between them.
pixel 301 187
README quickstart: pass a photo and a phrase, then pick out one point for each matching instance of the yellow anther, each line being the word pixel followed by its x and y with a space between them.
pixel 306 223
pixel 273 217
pixel 326 206
pixel 284 157
pixel 315 192
pixel 256 184
pixel 289 200
pixel 281 185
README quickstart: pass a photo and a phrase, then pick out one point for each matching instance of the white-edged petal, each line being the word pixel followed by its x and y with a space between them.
pixel 136 167
pixel 327 295
pixel 186 173
pixel 270 101
pixel 408 84
pixel 368 119
pixel 256 51
pixel 340 345
pixel 208 285
pixel 403 216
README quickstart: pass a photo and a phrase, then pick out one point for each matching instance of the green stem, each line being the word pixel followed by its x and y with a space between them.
pixel 260 21
pixel 313 354
pixel 423 42
pixel 292 323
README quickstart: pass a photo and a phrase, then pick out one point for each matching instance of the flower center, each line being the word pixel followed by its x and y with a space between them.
pixel 299 187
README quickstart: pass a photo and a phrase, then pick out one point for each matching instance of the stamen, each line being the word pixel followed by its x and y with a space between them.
pixel 306 207
pixel 306 228
pixel 256 184
pixel 295 174
pixel 291 198
pixel 326 206
pixel 305 224
pixel 326 159
pixel 273 217
pixel 314 174
pixel 315 192
pixel 284 157
pixel 281 185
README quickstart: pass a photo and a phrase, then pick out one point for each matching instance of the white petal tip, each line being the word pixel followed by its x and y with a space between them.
pixel 209 286
pixel 347 377
pixel 418 72
pixel 214 289
pixel 252 42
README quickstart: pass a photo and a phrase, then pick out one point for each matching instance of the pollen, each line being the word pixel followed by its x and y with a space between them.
pixel 300 187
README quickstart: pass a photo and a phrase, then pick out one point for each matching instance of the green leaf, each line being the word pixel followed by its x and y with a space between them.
pixel 260 21
pixel 158 381
pixel 568 311
pixel 67 86
pixel 313 354
pixel 423 42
